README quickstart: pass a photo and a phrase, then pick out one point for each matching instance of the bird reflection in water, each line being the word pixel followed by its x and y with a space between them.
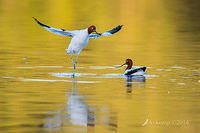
pixel 136 80
pixel 78 115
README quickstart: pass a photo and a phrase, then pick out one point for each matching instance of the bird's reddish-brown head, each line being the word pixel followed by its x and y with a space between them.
pixel 91 29
pixel 129 62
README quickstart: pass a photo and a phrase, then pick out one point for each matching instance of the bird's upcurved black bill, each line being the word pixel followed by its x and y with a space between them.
pixel 97 33
pixel 121 65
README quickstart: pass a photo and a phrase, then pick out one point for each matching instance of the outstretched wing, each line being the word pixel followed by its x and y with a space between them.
pixel 61 32
pixel 107 33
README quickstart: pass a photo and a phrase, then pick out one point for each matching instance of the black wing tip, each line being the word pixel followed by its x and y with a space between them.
pixel 116 29
pixel 119 26
pixel 41 24
pixel 35 19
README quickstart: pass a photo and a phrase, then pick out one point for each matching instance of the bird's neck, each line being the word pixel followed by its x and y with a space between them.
pixel 129 66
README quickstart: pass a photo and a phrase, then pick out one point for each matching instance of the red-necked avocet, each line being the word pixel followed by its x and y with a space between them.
pixel 129 71
pixel 80 38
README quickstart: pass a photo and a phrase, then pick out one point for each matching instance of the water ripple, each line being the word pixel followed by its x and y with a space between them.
pixel 71 74
pixel 48 80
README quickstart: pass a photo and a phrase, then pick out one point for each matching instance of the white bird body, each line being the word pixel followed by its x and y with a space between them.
pixel 78 41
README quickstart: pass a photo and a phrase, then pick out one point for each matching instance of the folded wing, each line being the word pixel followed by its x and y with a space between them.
pixel 107 33
pixel 61 32
pixel 139 71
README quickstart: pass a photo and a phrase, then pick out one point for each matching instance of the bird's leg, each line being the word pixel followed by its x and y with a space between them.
pixel 76 58
pixel 75 63
pixel 71 59
pixel 74 70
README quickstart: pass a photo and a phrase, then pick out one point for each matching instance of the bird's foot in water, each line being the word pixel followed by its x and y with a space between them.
pixel 73 75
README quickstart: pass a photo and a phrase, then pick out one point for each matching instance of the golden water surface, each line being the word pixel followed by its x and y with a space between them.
pixel 37 93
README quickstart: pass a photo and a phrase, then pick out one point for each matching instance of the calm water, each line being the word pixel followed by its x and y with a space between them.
pixel 37 93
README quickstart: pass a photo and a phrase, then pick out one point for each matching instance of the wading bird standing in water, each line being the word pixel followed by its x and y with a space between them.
pixel 79 39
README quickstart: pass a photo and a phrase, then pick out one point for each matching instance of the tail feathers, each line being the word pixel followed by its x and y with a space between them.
pixel 143 68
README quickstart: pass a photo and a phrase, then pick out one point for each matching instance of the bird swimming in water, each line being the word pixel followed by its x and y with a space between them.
pixel 129 71
pixel 79 39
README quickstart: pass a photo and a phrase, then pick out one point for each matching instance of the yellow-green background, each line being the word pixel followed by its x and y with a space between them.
pixel 160 34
